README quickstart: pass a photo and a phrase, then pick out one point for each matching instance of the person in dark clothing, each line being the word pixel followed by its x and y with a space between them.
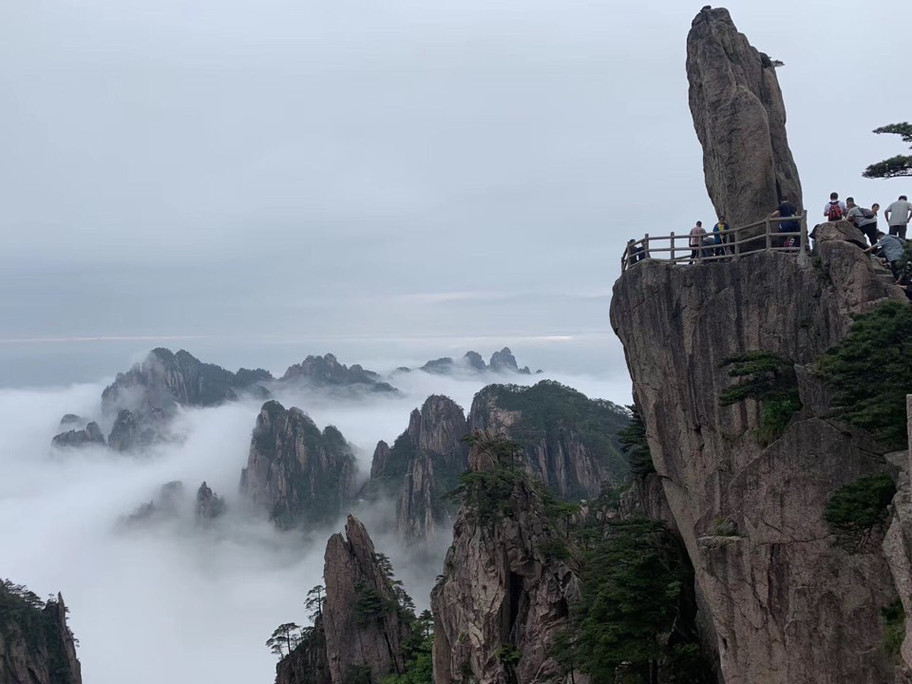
pixel 785 209
pixel 635 252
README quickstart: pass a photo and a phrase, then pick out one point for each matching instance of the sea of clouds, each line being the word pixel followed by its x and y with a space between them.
pixel 172 600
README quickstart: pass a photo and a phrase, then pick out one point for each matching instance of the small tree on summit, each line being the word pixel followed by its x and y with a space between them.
pixel 900 165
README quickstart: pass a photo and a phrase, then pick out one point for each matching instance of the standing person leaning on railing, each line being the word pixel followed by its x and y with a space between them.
pixel 697 233
pixel 784 210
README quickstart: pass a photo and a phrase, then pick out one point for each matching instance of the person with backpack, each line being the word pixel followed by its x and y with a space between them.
pixel 834 210
pixel 898 215
pixel 863 219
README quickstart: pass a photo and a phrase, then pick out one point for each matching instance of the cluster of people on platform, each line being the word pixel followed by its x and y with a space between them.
pixel 889 246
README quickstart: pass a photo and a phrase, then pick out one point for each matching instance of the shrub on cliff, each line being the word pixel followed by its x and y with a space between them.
pixel 634 610
pixel 870 372
pixel 859 509
pixel 770 380
pixel 634 445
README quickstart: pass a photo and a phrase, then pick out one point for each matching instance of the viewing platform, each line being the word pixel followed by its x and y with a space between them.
pixel 760 236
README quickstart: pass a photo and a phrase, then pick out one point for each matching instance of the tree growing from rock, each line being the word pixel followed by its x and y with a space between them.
pixel 901 164
pixel 284 639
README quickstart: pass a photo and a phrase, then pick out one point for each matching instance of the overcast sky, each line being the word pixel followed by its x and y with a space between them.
pixel 315 170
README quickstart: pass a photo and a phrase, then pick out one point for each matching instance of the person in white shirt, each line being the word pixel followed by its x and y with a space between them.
pixel 898 215
pixel 834 210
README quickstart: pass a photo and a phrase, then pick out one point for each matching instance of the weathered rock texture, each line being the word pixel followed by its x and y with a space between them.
pixel 307 663
pixel 739 116
pixel 90 435
pixel 294 472
pixel 36 645
pixel 787 604
pixel 365 631
pixel 501 592
pixel 569 441
pixel 423 464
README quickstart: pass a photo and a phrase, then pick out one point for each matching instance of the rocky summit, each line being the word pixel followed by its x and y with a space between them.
pixel 327 373
pixel 568 441
pixel 295 473
pixel 739 116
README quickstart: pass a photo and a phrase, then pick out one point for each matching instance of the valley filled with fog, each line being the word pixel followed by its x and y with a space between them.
pixel 171 598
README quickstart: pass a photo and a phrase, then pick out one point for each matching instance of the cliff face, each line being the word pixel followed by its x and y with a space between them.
pixel 502 599
pixel 294 472
pixel 365 631
pixel 36 645
pixel 739 117
pixel 307 663
pixel 569 441
pixel 785 601
pixel 423 464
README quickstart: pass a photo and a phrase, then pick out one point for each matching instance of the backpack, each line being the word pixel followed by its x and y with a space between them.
pixel 867 213
pixel 834 213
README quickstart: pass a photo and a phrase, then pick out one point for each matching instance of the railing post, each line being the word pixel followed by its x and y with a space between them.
pixel 803 240
pixel 768 236
pixel 672 246
pixel 736 240
pixel 646 246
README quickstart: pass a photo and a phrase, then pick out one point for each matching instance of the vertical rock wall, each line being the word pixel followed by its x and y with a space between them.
pixel 365 633
pixel 786 602
pixel 739 117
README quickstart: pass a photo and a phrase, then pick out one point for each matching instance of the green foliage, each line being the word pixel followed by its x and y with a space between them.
pixel 284 639
pixel 634 445
pixel 630 614
pixel 900 165
pixel 488 493
pixel 370 606
pixel 870 372
pixel 894 618
pixel 550 411
pixel 858 509
pixel 420 669
pixel 314 601
pixel 769 379
pixel 23 615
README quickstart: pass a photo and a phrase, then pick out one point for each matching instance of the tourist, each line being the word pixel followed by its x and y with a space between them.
pixel 635 252
pixel 784 210
pixel 697 233
pixel 890 248
pixel 898 215
pixel 720 236
pixel 863 219
pixel 834 210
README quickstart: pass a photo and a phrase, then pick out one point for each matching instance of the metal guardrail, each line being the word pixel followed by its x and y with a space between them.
pixel 736 242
